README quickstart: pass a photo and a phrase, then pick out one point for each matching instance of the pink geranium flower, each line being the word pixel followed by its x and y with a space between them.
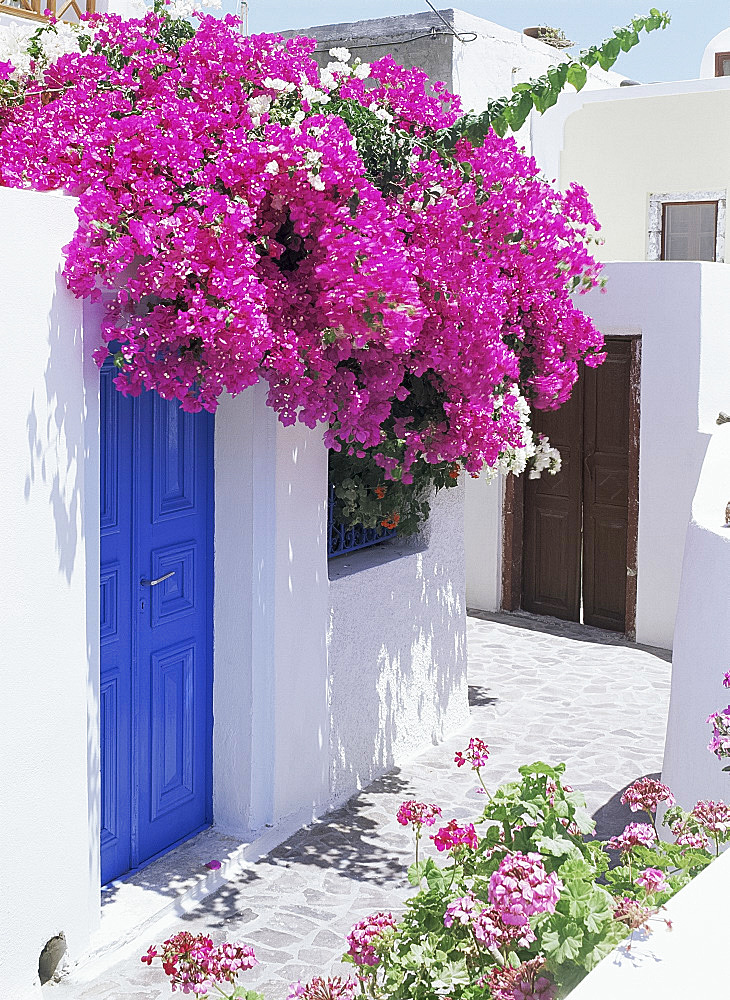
pixel 452 836
pixel 646 794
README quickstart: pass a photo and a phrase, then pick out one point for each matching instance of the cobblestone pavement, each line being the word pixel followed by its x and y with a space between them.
pixel 539 690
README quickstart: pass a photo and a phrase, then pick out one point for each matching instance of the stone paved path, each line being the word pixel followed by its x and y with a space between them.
pixel 538 690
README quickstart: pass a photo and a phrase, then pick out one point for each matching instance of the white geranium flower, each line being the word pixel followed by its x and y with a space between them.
pixel 362 71
pixel 341 54
pixel 327 80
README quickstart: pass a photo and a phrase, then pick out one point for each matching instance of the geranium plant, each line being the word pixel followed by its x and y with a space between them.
pixel 246 215
pixel 531 902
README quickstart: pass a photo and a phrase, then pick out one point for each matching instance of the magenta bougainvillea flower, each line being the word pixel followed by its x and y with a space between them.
pixel 229 222
pixel 476 754
pixel 646 794
pixel 364 935
pixel 452 836
pixel 417 813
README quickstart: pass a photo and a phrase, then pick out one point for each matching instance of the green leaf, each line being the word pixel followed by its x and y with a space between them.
pixel 563 944
pixel 577 75
pixel 576 868
pixel 556 846
pixel 540 767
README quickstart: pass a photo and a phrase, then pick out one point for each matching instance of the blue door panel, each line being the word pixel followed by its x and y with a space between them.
pixel 165 669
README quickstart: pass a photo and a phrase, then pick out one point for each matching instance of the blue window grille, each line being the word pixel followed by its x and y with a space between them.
pixel 342 538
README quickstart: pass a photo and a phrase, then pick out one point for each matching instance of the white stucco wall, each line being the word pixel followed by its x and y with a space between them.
pixel 680 311
pixel 397 648
pixel 702 637
pixel 617 145
pixel 49 634
pixel 271 741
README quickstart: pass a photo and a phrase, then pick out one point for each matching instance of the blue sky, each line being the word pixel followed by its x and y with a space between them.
pixel 670 55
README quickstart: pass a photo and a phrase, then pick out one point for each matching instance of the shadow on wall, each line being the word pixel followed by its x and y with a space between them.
pixel 397 654
pixel 57 451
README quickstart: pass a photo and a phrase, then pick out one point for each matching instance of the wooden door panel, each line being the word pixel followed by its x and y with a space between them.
pixel 606 488
pixel 552 523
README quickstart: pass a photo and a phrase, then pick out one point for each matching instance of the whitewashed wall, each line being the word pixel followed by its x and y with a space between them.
pixel 48 619
pixel 680 311
pixel 397 648
pixel 271 740
pixel 702 636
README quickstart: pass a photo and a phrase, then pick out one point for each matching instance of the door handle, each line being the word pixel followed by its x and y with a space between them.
pixel 153 583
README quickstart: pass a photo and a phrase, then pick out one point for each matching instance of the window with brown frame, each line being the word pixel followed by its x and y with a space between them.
pixel 722 64
pixel 689 230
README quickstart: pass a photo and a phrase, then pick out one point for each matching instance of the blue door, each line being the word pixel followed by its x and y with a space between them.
pixel 156 626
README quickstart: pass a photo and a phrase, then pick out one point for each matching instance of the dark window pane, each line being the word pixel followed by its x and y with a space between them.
pixel 689 231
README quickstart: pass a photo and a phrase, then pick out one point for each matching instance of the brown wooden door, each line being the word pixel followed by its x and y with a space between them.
pixel 552 526
pixel 578 524
pixel 606 488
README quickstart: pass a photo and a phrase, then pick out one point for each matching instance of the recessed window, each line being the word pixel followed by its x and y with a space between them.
pixel 689 230
pixel 722 64
pixel 687 225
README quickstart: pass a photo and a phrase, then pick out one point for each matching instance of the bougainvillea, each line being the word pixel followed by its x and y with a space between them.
pixel 246 215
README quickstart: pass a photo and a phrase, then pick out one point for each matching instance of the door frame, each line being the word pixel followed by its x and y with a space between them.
pixel 513 507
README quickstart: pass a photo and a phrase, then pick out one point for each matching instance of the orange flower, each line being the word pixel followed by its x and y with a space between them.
pixel 454 471
pixel 380 492
pixel 392 521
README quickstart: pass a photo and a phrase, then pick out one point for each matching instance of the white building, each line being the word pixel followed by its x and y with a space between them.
pixel 654 163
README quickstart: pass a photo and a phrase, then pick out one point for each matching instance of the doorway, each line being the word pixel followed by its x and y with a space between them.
pixel 570 539
pixel 156 585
